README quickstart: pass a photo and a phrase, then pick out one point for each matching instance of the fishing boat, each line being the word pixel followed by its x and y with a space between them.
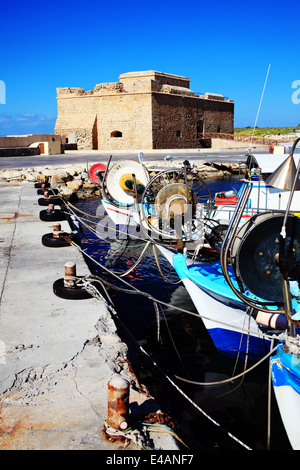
pixel 263 197
pixel 118 190
pixel 286 362
pixel 169 204
pixel 177 203
pixel 229 291
pixel 285 366
pixel 260 265
pixel 236 329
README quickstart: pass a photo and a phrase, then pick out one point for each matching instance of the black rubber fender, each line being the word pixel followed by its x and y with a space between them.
pixel 71 293
pixel 50 191
pixel 39 185
pixel 52 216
pixel 50 241
pixel 42 201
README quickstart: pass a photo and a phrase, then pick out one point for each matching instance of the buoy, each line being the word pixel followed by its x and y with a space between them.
pixel 118 404
pixel 67 287
pixel 95 170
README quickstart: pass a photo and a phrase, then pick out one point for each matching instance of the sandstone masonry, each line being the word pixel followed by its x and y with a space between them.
pixel 144 110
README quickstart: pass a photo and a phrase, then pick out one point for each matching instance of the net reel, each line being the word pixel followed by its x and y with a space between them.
pixel 119 187
pixel 175 204
pixel 257 257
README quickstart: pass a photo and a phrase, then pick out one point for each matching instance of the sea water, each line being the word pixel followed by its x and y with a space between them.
pixel 180 347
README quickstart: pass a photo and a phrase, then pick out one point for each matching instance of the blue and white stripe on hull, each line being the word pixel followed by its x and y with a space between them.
pixel 286 384
pixel 232 330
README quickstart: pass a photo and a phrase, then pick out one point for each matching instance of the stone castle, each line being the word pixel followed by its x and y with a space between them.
pixel 144 110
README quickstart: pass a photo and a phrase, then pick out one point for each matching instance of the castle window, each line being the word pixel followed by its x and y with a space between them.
pixel 178 133
pixel 116 134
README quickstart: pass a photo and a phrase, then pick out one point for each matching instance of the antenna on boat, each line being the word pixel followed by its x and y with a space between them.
pixel 261 98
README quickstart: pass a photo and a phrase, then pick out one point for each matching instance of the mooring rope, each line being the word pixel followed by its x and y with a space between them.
pixel 231 378
pixel 157 303
pixel 134 290
pixel 197 407
pixel 134 435
pixel 159 267
pixel 153 299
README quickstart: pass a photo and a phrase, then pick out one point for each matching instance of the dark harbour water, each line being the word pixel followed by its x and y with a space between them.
pixel 184 350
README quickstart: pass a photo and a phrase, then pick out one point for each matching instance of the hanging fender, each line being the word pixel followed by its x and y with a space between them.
pixel 275 321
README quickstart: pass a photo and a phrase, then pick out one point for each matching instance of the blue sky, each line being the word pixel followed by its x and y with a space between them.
pixel 223 47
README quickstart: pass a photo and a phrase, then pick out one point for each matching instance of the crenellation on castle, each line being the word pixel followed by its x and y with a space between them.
pixel 144 110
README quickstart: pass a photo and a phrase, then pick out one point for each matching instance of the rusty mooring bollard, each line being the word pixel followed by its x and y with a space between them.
pixel 70 274
pixel 118 403
pixel 50 207
pixel 43 186
pixel 46 194
pixel 56 230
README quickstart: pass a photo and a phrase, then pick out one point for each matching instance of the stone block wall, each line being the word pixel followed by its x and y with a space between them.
pixel 76 114
pixel 144 110
pixel 218 116
pixel 174 120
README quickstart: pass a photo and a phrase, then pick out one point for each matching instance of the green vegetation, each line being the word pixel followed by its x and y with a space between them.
pixel 266 131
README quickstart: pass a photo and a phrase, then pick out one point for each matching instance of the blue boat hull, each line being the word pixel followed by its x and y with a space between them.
pixel 286 384
pixel 225 317
pixel 233 344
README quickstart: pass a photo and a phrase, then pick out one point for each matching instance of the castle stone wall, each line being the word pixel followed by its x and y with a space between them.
pixel 144 110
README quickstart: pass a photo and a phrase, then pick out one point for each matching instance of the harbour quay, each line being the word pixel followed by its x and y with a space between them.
pixel 57 355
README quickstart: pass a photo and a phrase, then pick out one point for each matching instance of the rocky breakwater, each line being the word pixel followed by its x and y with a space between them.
pixel 203 168
pixel 72 181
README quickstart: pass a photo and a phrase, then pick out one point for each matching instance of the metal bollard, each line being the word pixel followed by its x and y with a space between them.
pixel 43 186
pixel 70 274
pixel 56 230
pixel 118 403
pixel 46 194
pixel 50 207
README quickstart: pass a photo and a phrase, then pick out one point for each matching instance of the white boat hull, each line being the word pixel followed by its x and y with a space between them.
pixel 120 215
pixel 231 329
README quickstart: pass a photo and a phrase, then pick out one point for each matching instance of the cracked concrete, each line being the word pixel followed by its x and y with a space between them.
pixel 56 355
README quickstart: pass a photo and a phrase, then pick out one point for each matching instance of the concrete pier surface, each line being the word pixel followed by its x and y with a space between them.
pixel 56 355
